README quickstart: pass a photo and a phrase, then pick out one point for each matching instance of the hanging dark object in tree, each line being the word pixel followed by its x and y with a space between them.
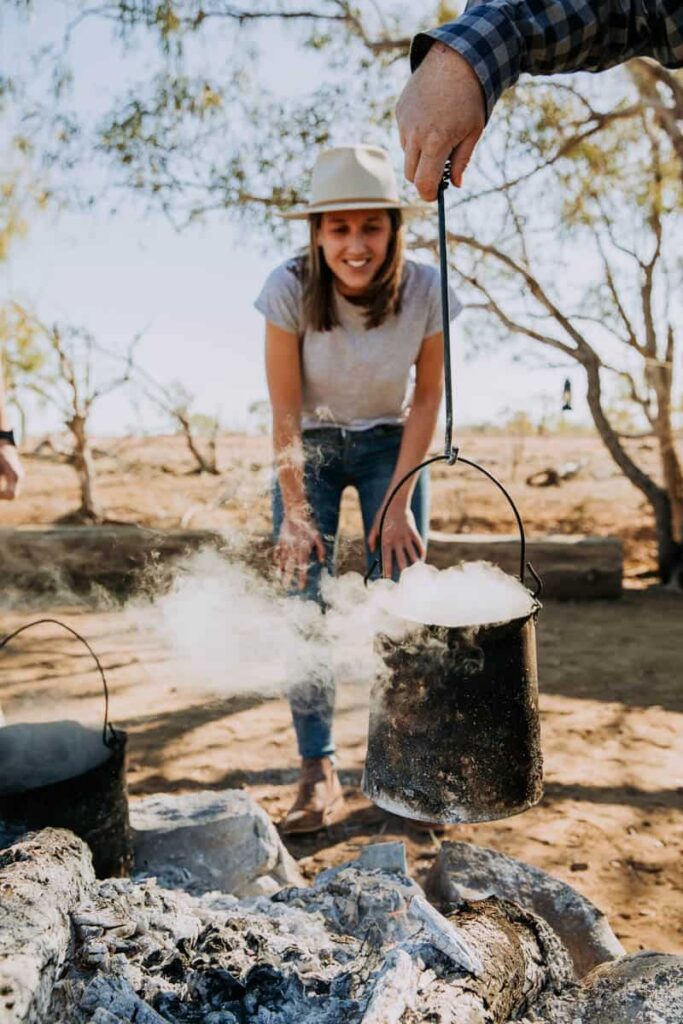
pixel 567 395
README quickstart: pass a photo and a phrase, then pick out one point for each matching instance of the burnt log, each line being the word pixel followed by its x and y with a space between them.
pixel 62 560
pixel 521 959
pixel 121 559
pixel 43 876
pixel 465 872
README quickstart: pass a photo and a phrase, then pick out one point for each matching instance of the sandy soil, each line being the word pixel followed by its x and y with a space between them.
pixel 611 821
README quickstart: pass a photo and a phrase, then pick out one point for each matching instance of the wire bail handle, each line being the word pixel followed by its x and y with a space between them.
pixel 452 455
pixel 109 738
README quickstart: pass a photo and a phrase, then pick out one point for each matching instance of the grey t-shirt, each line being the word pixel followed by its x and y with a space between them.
pixel 353 377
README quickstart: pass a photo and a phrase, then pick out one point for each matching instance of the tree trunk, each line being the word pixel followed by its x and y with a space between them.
pixel 671 538
pixel 669 550
pixel 205 465
pixel 90 509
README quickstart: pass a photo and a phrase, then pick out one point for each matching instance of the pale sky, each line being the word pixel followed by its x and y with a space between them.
pixel 191 293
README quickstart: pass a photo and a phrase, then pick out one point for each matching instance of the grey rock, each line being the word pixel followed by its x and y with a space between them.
pixel 385 857
pixel 641 988
pixel 464 872
pixel 211 840
pixel 645 988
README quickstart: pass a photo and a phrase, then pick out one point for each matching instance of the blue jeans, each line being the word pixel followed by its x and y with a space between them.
pixel 333 460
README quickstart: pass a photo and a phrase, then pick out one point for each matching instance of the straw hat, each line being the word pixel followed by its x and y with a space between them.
pixel 352 178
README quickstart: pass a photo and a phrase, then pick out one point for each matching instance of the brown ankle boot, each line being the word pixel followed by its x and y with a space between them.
pixel 319 800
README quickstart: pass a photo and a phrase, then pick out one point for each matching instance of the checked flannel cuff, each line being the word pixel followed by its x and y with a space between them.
pixel 500 39
pixel 486 39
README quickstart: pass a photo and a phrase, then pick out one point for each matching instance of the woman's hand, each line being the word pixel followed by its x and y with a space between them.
pixel 401 541
pixel 299 537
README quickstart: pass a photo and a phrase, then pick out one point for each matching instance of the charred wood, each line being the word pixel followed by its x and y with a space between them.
pixel 43 876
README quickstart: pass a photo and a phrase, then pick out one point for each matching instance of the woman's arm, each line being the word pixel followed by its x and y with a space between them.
pixel 298 535
pixel 400 537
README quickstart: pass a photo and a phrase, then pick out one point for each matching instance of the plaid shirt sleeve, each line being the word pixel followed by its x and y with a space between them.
pixel 500 39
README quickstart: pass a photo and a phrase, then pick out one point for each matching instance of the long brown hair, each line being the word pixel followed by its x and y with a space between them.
pixel 383 297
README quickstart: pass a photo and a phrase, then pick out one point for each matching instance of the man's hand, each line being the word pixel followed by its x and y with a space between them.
pixel 11 472
pixel 440 114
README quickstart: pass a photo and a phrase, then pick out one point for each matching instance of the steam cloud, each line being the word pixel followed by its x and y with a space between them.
pixel 236 633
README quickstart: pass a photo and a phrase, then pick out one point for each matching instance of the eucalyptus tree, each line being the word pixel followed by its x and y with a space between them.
pixel 573 240
pixel 568 235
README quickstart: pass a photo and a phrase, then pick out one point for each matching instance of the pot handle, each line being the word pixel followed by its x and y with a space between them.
pixel 451 460
pixel 109 737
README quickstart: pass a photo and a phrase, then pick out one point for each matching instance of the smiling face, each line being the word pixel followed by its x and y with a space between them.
pixel 355 245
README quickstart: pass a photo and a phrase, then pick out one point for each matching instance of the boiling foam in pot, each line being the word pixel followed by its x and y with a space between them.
pixel 471 594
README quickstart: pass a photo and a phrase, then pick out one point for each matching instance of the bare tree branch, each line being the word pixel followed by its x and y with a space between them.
pixel 631 336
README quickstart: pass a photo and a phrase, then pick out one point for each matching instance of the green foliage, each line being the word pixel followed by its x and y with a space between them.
pixel 12 224
pixel 204 425
pixel 22 344
pixel 447 11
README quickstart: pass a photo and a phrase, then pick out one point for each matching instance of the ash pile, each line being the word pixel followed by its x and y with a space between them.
pixel 357 945
pixel 489 941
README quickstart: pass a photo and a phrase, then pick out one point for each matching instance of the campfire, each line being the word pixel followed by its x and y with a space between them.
pixel 361 945
pixel 215 924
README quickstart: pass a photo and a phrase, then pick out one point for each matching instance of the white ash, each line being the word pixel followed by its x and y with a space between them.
pixel 471 594
pixel 330 954
pixel 395 989
pixel 34 754
pixel 445 937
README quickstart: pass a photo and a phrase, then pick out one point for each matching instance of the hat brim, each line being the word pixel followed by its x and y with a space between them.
pixel 361 204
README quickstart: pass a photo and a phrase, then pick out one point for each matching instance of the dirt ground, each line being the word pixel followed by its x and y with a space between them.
pixel 150 481
pixel 611 820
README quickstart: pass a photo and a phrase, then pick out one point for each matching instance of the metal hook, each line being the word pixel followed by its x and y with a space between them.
pixel 452 454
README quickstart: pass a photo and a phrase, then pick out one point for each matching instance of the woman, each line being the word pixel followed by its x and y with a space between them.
pixel 354 361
